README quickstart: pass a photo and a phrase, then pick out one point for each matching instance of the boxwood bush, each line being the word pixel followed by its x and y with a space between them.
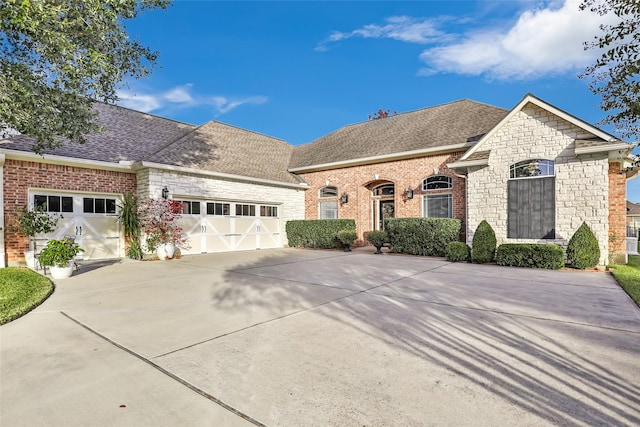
pixel 583 250
pixel 316 233
pixel 458 251
pixel 422 236
pixel 483 247
pixel 547 256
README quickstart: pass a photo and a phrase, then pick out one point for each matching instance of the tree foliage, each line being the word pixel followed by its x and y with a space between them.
pixel 58 56
pixel 381 114
pixel 615 75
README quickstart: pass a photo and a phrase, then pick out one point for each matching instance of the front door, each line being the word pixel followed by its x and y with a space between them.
pixel 387 210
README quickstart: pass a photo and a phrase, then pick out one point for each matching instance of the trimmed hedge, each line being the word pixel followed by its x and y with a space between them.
pixel 531 255
pixel 583 250
pixel 422 236
pixel 458 251
pixel 483 247
pixel 316 233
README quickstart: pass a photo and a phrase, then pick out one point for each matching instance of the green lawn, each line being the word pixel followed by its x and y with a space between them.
pixel 21 290
pixel 628 276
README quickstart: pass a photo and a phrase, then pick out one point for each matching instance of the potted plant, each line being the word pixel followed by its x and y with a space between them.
pixel 58 255
pixel 159 221
pixel 31 223
pixel 347 237
pixel 377 238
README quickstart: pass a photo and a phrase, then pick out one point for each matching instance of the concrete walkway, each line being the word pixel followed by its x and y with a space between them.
pixel 323 338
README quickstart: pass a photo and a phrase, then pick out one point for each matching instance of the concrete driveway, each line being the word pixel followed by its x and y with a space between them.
pixel 320 338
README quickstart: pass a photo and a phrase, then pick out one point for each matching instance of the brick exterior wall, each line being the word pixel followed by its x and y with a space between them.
pixel 357 182
pixel 20 176
pixel 617 214
pixel 582 182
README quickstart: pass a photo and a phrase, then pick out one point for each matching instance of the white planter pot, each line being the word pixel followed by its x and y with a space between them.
pixel 166 251
pixel 61 272
pixel 30 259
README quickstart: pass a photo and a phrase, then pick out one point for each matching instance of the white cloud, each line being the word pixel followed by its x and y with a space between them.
pixel 182 97
pixel 543 41
pixel 402 28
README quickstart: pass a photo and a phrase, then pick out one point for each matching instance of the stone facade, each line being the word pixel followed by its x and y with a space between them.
pixel 21 176
pixel 582 181
pixel 358 181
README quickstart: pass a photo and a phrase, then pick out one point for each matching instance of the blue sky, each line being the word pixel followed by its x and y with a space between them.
pixel 298 70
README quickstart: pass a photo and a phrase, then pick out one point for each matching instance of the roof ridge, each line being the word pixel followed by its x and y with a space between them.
pixel 143 112
pixel 242 129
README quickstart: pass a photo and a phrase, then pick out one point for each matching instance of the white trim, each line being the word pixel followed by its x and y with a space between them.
pixel 124 166
pixel 531 99
pixel 382 158
pixel 468 163
pixel 605 148
pixel 182 169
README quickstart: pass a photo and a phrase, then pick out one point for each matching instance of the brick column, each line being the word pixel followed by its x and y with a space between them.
pixel 617 214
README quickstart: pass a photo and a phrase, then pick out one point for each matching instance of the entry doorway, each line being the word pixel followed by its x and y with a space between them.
pixel 384 205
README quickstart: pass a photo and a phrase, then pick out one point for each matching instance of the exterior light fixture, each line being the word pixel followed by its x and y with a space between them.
pixel 436 171
pixel 165 192
pixel 408 193
pixel 344 198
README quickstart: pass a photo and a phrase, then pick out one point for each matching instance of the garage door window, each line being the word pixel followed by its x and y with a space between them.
pixel 190 208
pixel 245 210
pixel 219 209
pixel 98 205
pixel 271 211
pixel 53 203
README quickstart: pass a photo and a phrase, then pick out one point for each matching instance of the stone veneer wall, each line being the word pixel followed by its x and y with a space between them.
pixel 181 185
pixel 356 181
pixel 20 176
pixel 582 182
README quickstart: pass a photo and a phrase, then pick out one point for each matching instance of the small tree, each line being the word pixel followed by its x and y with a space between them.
pixel 583 250
pixel 381 114
pixel 483 247
pixel 34 222
pixel 159 220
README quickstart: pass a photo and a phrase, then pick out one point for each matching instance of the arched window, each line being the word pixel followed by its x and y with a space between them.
pixel 531 200
pixel 384 190
pixel 329 191
pixel 328 204
pixel 438 205
pixel 437 182
pixel 532 168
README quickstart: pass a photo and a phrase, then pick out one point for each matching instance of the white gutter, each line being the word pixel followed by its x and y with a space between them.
pixel 123 166
pixel 604 148
pixel 382 158
pixel 468 163
pixel 182 169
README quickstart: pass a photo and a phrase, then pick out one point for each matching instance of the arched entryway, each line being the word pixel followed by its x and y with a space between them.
pixel 383 204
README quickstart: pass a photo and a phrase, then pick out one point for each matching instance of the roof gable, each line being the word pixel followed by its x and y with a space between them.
pixel 603 139
pixel 458 124
pixel 227 149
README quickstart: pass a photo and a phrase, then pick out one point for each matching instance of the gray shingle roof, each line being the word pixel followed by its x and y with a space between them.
pixel 219 147
pixel 128 135
pixel 448 124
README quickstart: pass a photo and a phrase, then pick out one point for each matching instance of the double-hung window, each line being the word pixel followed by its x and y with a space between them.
pixel 328 204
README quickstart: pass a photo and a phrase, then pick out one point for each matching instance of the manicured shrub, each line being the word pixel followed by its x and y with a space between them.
pixel 376 236
pixel 547 256
pixel 483 248
pixel 583 250
pixel 458 251
pixel 347 236
pixel 422 236
pixel 316 233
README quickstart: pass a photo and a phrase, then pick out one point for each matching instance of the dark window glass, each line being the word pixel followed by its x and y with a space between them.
pixel 437 182
pixel 53 203
pixel 329 192
pixel 111 206
pixel 384 190
pixel 40 201
pixel 531 209
pixel 100 206
pixel 87 205
pixel 67 204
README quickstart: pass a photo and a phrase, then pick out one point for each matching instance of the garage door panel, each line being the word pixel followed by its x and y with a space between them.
pixel 192 228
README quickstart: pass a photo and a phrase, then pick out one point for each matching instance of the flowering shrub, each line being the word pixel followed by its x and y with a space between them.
pixel 158 219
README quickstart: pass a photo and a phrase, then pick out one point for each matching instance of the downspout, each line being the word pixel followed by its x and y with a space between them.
pixel 3 253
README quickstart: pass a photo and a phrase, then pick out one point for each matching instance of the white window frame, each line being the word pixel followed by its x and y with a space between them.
pixel 425 204
pixel 323 209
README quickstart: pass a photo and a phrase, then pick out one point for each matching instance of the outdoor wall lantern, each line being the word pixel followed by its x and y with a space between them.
pixel 165 192
pixel 344 198
pixel 408 193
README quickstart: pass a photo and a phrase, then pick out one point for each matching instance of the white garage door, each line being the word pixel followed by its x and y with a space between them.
pixel 88 217
pixel 218 226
